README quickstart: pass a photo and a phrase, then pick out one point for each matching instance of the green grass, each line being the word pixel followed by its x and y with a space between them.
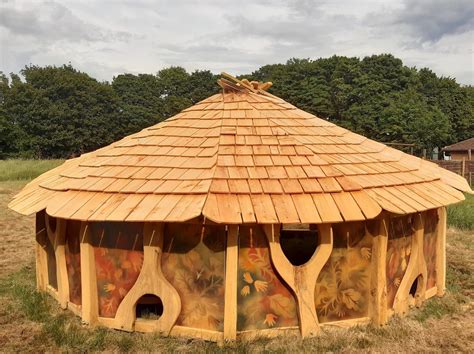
pixel 15 170
pixel 461 215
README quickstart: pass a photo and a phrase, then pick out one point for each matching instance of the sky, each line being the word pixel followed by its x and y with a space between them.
pixel 109 37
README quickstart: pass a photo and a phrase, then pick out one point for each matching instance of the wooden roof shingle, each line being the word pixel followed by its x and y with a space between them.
pixel 241 156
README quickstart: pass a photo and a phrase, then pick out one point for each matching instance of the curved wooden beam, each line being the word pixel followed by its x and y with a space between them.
pixel 416 268
pixel 151 281
pixel 302 279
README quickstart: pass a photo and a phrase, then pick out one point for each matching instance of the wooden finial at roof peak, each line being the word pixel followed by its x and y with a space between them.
pixel 231 83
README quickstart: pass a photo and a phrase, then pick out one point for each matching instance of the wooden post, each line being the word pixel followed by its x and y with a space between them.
pixel 60 253
pixel 302 279
pixel 463 166
pixel 150 281
pixel 90 302
pixel 41 255
pixel 416 267
pixel 441 252
pixel 378 288
pixel 231 267
pixel 469 154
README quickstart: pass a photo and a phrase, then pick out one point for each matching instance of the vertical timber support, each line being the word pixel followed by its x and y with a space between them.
pixel 60 252
pixel 90 302
pixel 151 281
pixel 441 252
pixel 416 269
pixel 41 256
pixel 58 240
pixel 378 286
pixel 302 279
pixel 231 267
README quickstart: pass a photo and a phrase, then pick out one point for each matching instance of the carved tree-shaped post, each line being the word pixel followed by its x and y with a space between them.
pixel 58 240
pixel 302 279
pixel 151 281
pixel 90 302
pixel 378 287
pixel 416 269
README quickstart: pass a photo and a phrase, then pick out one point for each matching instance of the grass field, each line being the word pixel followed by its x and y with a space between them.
pixel 32 322
pixel 21 170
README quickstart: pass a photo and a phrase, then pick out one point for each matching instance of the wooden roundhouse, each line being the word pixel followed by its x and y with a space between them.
pixel 241 216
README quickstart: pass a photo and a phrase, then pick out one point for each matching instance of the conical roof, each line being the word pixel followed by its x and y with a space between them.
pixel 241 156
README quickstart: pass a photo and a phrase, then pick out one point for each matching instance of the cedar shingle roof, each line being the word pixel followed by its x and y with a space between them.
pixel 464 145
pixel 241 156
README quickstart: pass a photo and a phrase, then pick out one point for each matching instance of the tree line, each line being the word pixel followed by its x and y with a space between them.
pixel 60 112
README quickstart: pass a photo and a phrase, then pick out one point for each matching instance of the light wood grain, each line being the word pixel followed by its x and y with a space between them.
pixel 378 276
pixel 441 252
pixel 41 256
pixel 416 269
pixel 243 141
pixel 150 281
pixel 90 301
pixel 301 279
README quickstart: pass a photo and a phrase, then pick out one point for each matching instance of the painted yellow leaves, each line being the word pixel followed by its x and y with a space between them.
pixel 263 300
pixel 342 287
pixel 398 254
pixel 259 285
pixel 193 261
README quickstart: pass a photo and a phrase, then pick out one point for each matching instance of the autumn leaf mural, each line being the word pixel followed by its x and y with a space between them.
pixel 264 301
pixel 342 288
pixel 118 251
pixel 400 238
pixel 194 263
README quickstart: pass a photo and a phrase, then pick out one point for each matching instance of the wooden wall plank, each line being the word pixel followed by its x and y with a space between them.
pixel 378 283
pixel 40 251
pixel 90 301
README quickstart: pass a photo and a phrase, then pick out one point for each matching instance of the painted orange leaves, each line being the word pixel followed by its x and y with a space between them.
pixel 193 262
pixel 264 301
pixel 118 250
pixel 342 288
pixel 400 237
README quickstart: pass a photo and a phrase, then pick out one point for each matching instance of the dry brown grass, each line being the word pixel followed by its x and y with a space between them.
pixel 32 322
pixel 16 231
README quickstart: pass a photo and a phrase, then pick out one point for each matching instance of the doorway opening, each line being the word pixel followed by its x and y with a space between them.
pixel 149 307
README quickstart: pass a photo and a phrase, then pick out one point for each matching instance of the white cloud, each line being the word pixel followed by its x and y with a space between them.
pixel 105 38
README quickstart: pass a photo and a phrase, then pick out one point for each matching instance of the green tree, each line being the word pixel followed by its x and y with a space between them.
pixel 62 112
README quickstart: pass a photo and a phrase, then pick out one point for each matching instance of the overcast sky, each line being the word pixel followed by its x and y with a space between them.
pixel 108 37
